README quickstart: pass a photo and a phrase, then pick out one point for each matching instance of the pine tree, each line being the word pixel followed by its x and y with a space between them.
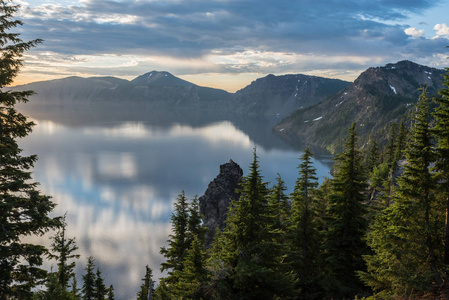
pixel 195 228
pixel 89 280
pixel 192 278
pixel 391 145
pixel 404 236
pixel 100 287
pixel 344 242
pixel 441 130
pixel 111 292
pixel 373 159
pixel 178 245
pixel 63 249
pixel 147 285
pixel 305 237
pixel 54 290
pixel 279 202
pixel 24 211
pixel 74 288
pixel 218 271
pixel 249 245
pixel 400 142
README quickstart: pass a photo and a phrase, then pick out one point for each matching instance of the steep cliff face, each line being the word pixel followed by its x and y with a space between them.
pixel 217 198
pixel 377 97
pixel 280 95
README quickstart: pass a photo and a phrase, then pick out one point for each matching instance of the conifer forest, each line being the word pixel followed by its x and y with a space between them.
pixel 377 229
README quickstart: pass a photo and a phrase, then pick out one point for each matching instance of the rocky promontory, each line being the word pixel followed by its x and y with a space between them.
pixel 218 196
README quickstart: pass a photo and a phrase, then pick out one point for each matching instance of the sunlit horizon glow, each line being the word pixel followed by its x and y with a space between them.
pixel 228 44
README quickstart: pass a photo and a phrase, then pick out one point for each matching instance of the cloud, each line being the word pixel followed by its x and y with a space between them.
pixel 416 33
pixel 441 30
pixel 221 36
pixel 195 28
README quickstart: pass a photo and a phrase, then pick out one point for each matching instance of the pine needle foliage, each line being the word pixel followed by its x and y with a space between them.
pixel 89 288
pixel 441 131
pixel 405 236
pixel 344 242
pixel 24 211
pixel 250 247
pixel 304 233
pixel 63 249
pixel 147 285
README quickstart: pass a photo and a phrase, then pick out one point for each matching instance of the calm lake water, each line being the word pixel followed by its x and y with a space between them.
pixel 117 172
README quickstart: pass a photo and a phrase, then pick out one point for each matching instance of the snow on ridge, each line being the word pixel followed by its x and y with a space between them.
pixel 319 118
pixel 393 89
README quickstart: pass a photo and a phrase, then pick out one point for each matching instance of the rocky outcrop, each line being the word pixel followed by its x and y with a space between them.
pixel 217 198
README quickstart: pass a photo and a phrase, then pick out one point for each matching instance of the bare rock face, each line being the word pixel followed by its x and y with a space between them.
pixel 217 198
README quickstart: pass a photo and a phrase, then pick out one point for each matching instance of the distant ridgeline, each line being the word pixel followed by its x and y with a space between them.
pixel 378 97
pixel 311 110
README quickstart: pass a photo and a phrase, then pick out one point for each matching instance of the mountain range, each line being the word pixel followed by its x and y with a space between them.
pixel 271 96
pixel 378 97
pixel 307 109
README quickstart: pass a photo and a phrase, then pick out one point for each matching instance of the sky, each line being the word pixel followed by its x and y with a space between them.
pixel 229 43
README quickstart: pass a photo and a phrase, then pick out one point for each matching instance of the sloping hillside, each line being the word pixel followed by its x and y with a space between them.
pixel 377 97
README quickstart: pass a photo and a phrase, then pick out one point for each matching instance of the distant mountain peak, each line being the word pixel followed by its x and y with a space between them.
pixel 378 97
pixel 160 78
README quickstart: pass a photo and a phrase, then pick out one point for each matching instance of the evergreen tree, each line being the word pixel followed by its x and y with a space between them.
pixel 218 271
pixel 89 280
pixel 305 239
pixel 147 285
pixel 373 159
pixel 75 290
pixel 63 249
pixel 111 292
pixel 404 236
pixel 279 202
pixel 400 142
pixel 186 227
pixel 344 242
pixel 100 287
pixel 192 278
pixel 195 228
pixel 320 208
pixel 250 249
pixel 441 130
pixel 178 245
pixel 54 290
pixel 391 145
pixel 24 211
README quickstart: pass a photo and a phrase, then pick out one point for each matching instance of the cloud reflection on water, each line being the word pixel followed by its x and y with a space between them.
pixel 117 183
pixel 107 180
